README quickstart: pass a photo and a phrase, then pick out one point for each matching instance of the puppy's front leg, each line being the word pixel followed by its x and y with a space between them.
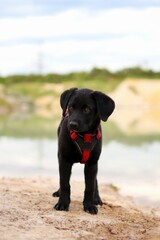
pixel 97 199
pixel 64 191
pixel 90 172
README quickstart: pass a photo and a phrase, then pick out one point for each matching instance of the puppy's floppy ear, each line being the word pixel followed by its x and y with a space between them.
pixel 105 105
pixel 64 99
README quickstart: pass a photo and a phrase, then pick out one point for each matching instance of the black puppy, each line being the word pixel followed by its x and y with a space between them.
pixel 80 140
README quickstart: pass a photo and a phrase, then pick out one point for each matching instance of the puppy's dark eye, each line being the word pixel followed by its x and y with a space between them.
pixel 87 110
pixel 71 109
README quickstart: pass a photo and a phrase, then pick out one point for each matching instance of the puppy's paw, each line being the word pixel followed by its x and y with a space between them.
pixel 56 194
pixel 90 208
pixel 62 206
pixel 98 201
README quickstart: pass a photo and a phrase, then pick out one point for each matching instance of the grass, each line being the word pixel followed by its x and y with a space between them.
pixel 30 92
pixel 31 126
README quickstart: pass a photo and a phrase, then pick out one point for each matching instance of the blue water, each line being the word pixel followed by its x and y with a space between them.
pixel 135 170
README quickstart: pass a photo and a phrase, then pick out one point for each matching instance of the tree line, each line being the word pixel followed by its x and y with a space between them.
pixel 100 74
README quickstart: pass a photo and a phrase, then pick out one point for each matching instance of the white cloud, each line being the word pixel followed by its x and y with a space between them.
pixel 80 39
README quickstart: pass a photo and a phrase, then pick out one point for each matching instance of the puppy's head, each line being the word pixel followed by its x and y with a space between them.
pixel 85 108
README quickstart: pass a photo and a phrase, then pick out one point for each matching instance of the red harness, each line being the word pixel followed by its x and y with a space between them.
pixel 85 143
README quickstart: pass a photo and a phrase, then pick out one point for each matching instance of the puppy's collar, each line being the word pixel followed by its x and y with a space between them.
pixel 85 143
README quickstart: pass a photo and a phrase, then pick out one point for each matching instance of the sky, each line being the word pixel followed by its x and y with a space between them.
pixel 44 36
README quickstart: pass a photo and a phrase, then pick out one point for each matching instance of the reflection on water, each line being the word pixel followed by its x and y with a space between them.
pixel 130 157
pixel 138 120
pixel 26 157
pixel 135 170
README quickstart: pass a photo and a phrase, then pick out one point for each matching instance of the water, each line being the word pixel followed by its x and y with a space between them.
pixel 130 158
pixel 135 170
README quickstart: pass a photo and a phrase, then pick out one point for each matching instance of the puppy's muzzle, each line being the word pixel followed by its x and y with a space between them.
pixel 73 125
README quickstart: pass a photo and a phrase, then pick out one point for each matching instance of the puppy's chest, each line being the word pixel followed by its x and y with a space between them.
pixel 85 143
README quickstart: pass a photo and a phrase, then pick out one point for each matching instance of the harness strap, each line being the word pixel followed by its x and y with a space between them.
pixel 85 143
pixel 85 156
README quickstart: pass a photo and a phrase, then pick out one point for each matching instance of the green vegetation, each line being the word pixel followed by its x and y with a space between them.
pixel 32 126
pixel 33 86
pixel 137 72
pixel 96 74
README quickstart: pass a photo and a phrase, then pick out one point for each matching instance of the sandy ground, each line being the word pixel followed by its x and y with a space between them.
pixel 26 212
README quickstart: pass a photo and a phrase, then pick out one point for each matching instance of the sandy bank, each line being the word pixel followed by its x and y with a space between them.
pixel 137 106
pixel 26 212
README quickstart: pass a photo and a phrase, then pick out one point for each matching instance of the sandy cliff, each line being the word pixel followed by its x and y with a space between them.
pixel 137 106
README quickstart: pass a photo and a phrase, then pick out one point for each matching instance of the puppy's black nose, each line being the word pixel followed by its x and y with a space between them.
pixel 73 125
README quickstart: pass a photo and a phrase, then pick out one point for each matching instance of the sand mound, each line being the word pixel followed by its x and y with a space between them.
pixel 26 211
